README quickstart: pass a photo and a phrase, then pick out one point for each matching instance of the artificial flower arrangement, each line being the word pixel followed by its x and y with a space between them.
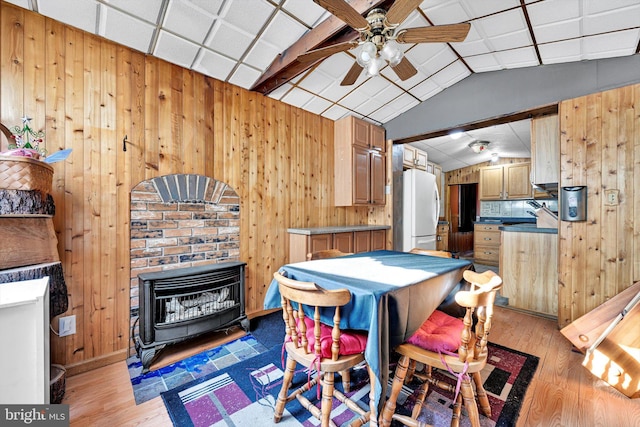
pixel 28 144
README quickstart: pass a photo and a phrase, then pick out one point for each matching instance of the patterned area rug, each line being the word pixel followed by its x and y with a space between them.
pixel 244 394
pixel 150 385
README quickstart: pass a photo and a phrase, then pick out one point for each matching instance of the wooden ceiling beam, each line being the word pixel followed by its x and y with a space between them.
pixel 333 30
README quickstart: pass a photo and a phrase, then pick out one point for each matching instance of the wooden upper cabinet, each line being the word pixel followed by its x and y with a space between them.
pixel 545 149
pixel 360 163
pixel 414 158
pixel 491 182
pixel 505 182
pixel 516 181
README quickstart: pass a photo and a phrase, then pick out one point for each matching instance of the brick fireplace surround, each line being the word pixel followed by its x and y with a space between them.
pixel 180 221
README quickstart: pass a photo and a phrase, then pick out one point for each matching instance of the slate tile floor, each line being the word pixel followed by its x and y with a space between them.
pixel 151 384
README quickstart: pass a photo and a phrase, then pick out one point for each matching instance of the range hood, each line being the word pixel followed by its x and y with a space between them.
pixel 550 188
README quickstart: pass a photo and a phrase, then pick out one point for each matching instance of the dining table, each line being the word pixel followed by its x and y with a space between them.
pixel 392 294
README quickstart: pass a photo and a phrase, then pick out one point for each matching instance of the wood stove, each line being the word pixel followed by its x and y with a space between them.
pixel 179 304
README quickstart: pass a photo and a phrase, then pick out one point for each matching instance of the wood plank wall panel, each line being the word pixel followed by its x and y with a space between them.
pixel 87 93
pixel 599 148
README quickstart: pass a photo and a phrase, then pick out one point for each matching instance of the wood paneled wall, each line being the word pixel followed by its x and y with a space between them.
pixel 600 148
pixel 88 94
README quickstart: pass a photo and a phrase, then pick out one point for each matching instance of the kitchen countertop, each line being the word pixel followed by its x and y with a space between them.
pixel 337 229
pixel 527 228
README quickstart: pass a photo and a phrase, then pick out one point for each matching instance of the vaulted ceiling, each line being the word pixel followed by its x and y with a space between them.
pixel 254 43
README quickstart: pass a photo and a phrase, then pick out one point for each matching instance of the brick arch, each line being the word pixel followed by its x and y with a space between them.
pixel 181 220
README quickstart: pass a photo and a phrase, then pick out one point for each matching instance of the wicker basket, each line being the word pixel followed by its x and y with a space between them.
pixel 24 173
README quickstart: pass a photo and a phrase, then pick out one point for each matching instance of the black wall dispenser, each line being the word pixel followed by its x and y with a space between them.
pixel 573 203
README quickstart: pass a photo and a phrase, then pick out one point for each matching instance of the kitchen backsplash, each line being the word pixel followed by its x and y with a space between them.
pixel 512 208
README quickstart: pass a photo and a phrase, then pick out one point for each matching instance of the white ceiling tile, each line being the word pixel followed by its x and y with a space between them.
pixel 148 10
pixel 451 74
pixel 598 6
pixel 187 20
pixel 283 31
pixel 280 91
pixel 81 14
pixel 563 30
pixel 175 50
pixel 503 23
pixel 566 51
pixel 306 10
pixel 336 112
pixel 611 20
pixel 602 46
pixel 250 19
pixel 426 90
pixel 369 106
pixel 335 92
pixel 211 6
pixel 317 105
pixel 424 52
pixel 318 82
pixel 488 7
pixel 516 58
pixel 228 40
pixel 353 100
pixel 483 63
pixel 213 64
pixel 554 11
pixel 126 30
pixel 451 12
pixel 244 76
pixel 297 97
pixel 472 47
pixel 261 55
pixel 512 40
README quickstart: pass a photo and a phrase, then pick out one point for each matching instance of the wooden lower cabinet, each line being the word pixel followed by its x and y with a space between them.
pixel 442 237
pixel 486 244
pixel 350 241
pixel 529 271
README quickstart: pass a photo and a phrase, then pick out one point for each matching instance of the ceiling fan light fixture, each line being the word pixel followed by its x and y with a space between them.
pixel 392 52
pixel 367 52
pixel 479 146
pixel 374 66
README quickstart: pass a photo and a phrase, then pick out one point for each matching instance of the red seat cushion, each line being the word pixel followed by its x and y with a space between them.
pixel 439 333
pixel 350 342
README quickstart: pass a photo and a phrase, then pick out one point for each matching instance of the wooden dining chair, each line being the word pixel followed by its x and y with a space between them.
pixel 432 252
pixel 448 343
pixel 314 345
pixel 326 253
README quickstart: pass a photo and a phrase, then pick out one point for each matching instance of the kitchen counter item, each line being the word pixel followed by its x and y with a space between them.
pixel 527 228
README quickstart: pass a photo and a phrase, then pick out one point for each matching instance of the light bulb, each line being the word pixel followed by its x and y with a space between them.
pixel 367 53
pixel 373 69
pixel 391 52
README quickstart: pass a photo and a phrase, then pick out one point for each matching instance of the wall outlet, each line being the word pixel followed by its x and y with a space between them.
pixel 67 325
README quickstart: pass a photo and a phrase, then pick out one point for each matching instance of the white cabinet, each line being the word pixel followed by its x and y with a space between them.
pixel 24 334
pixel 414 158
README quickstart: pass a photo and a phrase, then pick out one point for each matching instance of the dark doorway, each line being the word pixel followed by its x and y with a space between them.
pixel 463 202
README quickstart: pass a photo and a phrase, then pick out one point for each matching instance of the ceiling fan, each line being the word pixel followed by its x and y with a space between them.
pixel 378 41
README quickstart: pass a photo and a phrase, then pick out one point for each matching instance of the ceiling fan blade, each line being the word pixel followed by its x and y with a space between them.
pixel 352 75
pixel 400 10
pixel 341 9
pixel 435 34
pixel 405 69
pixel 314 55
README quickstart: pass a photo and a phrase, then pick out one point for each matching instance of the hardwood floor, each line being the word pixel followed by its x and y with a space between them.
pixel 562 392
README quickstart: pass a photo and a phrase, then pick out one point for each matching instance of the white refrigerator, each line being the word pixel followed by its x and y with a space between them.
pixel 421 207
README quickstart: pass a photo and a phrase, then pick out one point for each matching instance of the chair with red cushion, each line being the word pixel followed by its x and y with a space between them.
pixel 449 343
pixel 314 345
